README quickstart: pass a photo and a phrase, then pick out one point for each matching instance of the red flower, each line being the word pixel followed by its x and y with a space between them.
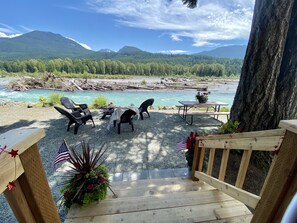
pixel 11 185
pixel 13 153
pixel 90 187
pixel 191 140
pixel 66 194
pixel 101 180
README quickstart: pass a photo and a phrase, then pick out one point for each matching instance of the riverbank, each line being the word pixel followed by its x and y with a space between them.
pixel 51 81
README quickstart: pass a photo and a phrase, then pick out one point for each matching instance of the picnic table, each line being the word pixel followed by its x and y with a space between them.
pixel 184 108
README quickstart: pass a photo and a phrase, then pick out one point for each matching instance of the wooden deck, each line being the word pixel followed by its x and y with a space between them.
pixel 163 200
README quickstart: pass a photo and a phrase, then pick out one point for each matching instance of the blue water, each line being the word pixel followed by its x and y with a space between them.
pixel 224 93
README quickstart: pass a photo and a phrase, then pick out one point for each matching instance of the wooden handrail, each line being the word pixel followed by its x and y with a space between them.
pixel 248 142
pixel 30 199
pixel 281 182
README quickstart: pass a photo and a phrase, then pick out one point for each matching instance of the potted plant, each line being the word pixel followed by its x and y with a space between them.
pixel 202 96
pixel 88 179
pixel 190 146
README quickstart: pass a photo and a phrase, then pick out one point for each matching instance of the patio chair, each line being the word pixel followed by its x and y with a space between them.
pixel 126 117
pixel 144 106
pixel 69 104
pixel 75 118
pixel 107 110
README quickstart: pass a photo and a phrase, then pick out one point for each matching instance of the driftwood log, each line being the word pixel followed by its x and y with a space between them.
pixel 65 84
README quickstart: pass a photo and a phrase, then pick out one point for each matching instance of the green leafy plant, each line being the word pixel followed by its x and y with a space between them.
pixel 43 100
pixel 54 98
pixel 224 109
pixel 99 101
pixel 88 179
pixel 229 127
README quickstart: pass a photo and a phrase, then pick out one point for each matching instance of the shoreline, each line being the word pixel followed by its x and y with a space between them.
pixel 52 82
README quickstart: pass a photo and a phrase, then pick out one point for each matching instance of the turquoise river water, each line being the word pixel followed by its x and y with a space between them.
pixel 222 92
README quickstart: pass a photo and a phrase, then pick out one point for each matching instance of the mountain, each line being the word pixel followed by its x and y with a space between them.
pixel 39 44
pixel 130 50
pixel 106 51
pixel 47 45
pixel 232 52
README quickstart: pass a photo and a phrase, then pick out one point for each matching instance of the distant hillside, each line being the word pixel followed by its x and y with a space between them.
pixel 130 50
pixel 38 44
pixel 106 51
pixel 232 52
pixel 47 45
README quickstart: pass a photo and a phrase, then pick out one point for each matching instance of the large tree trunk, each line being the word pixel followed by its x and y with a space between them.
pixel 286 87
pixel 255 100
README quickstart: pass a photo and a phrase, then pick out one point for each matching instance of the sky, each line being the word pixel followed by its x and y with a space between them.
pixel 163 26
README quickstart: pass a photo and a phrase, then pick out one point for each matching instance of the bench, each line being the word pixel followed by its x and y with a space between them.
pixel 215 114
pixel 180 107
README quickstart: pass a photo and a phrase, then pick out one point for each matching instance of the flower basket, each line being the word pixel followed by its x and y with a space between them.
pixel 202 96
pixel 88 179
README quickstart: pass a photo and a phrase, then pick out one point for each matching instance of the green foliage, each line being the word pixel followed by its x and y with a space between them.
pixel 99 101
pixel 224 109
pixel 143 82
pixel 88 179
pixel 43 100
pixel 181 65
pixel 54 99
pixel 229 127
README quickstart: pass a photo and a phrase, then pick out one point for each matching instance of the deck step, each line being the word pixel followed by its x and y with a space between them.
pixel 162 200
pixel 156 187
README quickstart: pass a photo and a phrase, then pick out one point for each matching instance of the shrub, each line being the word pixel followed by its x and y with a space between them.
pixel 224 109
pixel 54 99
pixel 99 101
pixel 229 127
pixel 43 100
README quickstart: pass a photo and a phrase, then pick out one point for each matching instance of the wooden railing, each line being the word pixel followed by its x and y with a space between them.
pixel 282 141
pixel 30 199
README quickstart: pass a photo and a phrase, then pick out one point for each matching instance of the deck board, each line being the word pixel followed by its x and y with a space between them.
pixel 156 186
pixel 164 205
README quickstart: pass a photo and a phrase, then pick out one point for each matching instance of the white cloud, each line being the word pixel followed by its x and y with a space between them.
pixel 7 31
pixel 82 44
pixel 211 21
pixel 3 35
pixel 173 51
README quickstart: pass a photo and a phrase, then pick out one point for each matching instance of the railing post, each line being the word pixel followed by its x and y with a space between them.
pixel 31 199
pixel 282 183
pixel 196 158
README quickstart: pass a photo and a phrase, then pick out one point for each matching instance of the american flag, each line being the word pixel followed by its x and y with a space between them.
pixel 62 154
pixel 181 145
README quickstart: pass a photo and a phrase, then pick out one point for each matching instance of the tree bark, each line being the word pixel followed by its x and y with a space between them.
pixel 286 87
pixel 256 98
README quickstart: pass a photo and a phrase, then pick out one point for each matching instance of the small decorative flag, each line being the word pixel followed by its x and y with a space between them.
pixel 62 154
pixel 182 145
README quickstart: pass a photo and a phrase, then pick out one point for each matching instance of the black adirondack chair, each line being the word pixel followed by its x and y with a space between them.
pixel 69 104
pixel 126 117
pixel 144 106
pixel 75 118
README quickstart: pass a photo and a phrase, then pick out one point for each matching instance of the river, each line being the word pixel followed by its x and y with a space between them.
pixel 218 92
